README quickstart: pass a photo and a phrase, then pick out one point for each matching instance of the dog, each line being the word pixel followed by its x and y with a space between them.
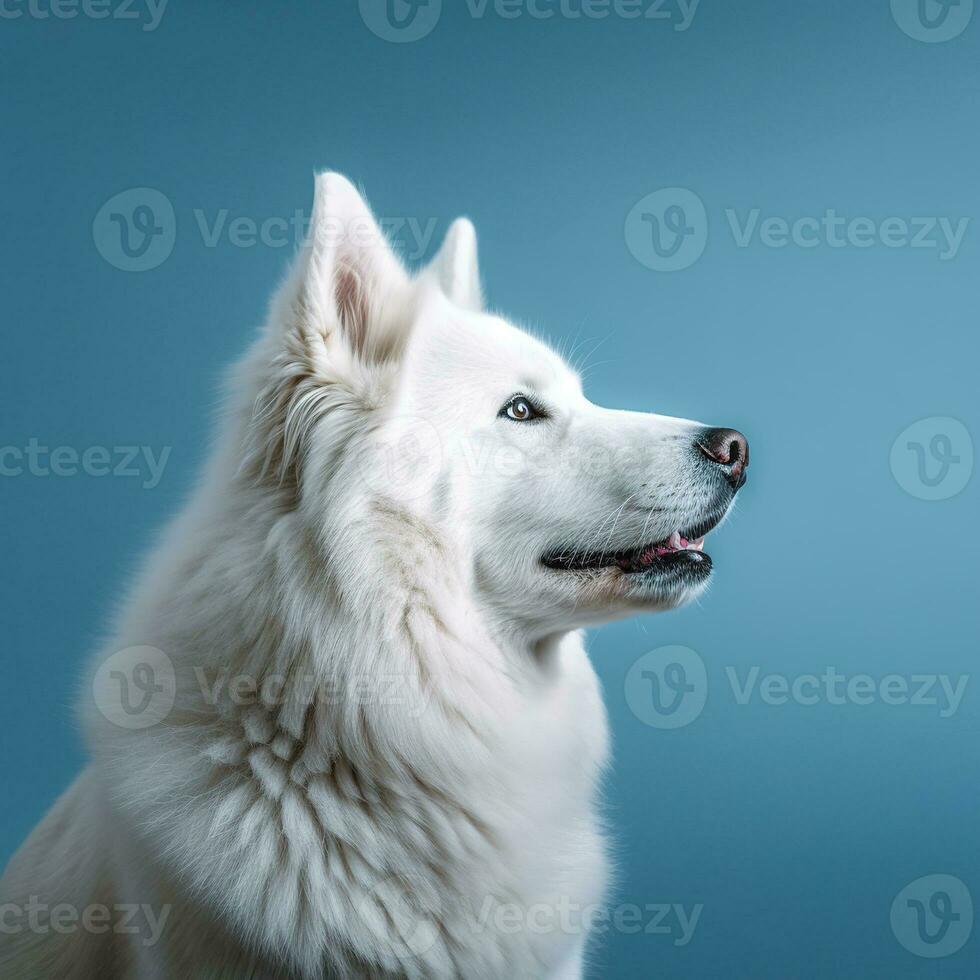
pixel 345 725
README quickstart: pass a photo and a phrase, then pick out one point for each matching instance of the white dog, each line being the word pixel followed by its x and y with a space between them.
pixel 345 726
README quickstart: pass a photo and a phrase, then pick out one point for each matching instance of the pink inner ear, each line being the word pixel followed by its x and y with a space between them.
pixel 352 306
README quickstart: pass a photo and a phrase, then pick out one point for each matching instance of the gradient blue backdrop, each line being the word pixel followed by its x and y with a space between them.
pixel 795 826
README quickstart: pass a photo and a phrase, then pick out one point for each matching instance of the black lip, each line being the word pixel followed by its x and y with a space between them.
pixel 627 560
pixel 693 564
pixel 700 530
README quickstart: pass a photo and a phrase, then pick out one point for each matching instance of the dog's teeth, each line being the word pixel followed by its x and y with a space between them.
pixel 698 545
pixel 675 541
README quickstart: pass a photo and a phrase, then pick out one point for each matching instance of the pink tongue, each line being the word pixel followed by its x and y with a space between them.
pixel 675 544
pixel 678 543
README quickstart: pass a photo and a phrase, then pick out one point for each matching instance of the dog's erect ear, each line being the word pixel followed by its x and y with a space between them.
pixel 457 269
pixel 352 284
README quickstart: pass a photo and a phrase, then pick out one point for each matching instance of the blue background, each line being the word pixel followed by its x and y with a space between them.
pixel 795 826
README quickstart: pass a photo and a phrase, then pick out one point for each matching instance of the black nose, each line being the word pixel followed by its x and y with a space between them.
pixel 730 450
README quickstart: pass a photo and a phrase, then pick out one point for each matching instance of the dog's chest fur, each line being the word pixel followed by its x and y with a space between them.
pixel 403 800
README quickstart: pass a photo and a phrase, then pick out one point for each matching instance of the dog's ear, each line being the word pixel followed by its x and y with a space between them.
pixel 457 269
pixel 352 285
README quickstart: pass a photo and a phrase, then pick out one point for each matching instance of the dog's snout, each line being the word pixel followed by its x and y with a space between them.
pixel 729 449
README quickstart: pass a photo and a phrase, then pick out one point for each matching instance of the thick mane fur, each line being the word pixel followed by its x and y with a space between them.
pixel 360 768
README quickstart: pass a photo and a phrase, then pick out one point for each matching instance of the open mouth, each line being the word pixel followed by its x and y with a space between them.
pixel 683 549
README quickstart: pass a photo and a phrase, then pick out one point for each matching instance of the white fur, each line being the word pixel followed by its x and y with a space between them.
pixel 367 516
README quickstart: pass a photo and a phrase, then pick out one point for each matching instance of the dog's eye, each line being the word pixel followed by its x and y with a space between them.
pixel 520 409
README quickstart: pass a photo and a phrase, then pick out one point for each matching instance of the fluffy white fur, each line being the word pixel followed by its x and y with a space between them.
pixel 371 526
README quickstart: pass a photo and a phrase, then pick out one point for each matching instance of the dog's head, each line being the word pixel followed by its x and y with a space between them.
pixel 390 394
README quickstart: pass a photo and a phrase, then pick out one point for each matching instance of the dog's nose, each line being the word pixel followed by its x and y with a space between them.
pixel 730 450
